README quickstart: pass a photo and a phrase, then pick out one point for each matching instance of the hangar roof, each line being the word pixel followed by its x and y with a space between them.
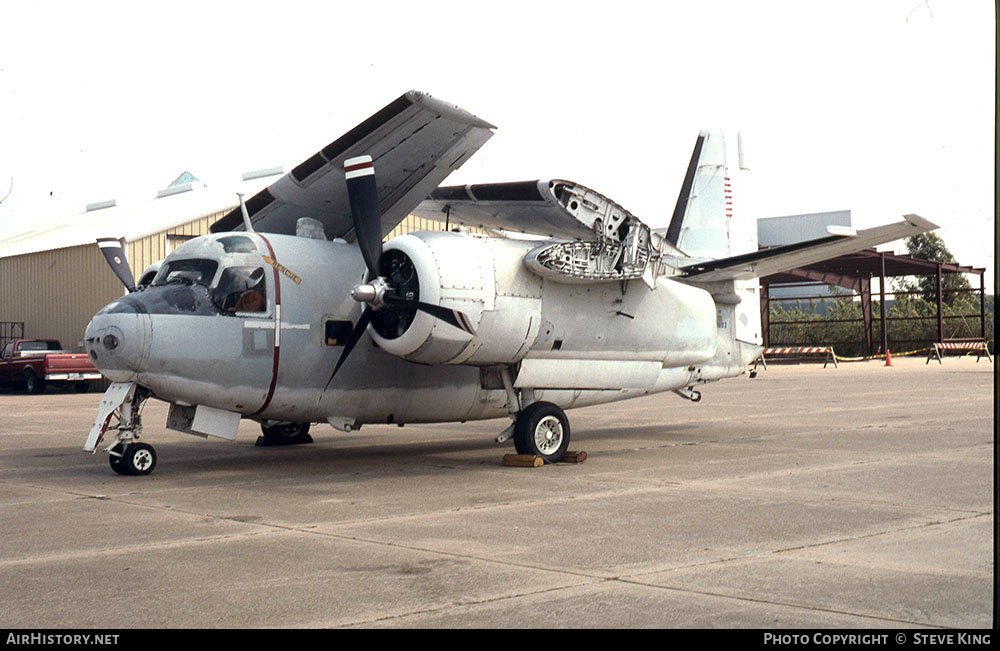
pixel 132 221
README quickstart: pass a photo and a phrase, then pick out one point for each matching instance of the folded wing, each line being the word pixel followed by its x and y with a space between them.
pixel 559 209
pixel 416 142
pixel 782 258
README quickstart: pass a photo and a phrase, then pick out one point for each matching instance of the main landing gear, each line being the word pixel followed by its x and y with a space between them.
pixel 539 429
pixel 542 429
pixel 283 434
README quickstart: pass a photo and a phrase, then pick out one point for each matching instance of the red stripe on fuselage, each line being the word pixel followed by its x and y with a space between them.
pixel 277 329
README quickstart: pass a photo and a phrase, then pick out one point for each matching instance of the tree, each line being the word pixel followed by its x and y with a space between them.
pixel 930 246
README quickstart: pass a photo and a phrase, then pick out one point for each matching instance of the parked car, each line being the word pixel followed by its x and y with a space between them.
pixel 36 363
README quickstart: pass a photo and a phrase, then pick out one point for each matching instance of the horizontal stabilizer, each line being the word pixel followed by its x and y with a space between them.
pixel 791 256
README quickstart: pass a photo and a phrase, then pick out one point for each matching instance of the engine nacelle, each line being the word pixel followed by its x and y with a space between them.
pixel 484 278
pixel 488 281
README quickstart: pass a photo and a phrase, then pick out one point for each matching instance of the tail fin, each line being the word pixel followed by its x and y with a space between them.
pixel 700 223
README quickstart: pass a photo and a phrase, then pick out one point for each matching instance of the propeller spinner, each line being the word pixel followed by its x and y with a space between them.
pixel 379 294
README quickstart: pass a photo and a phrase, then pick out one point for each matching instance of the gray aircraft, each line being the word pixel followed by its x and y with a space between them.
pixel 294 311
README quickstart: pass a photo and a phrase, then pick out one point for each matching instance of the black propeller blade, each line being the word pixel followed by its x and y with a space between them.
pixel 449 316
pixel 362 192
pixel 359 329
pixel 363 196
pixel 115 255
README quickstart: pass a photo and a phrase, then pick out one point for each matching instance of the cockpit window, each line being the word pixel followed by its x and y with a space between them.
pixel 195 271
pixel 241 289
pixel 237 244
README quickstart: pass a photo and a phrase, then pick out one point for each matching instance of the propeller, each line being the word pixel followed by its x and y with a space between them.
pixel 382 291
pixel 112 249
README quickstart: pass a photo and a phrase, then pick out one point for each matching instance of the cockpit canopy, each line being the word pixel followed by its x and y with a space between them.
pixel 227 267
pixel 192 271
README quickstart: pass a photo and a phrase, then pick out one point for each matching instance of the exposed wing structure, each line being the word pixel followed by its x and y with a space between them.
pixel 782 258
pixel 416 142
pixel 605 241
pixel 558 209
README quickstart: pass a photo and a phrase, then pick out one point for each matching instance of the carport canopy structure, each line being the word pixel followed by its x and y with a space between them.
pixel 855 272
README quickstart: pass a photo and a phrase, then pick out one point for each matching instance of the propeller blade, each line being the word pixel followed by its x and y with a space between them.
pixel 449 316
pixel 115 255
pixel 363 196
pixel 359 330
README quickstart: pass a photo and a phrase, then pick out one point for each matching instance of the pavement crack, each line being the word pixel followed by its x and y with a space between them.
pixel 875 534
pixel 774 602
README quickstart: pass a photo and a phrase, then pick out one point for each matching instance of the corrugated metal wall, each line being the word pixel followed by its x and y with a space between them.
pixel 55 293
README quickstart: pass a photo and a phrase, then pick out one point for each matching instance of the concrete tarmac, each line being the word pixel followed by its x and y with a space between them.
pixel 855 497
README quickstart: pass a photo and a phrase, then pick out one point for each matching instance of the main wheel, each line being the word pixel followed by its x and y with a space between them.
pixel 287 434
pixel 139 459
pixel 542 429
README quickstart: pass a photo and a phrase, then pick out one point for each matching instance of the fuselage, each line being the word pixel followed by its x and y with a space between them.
pixel 255 324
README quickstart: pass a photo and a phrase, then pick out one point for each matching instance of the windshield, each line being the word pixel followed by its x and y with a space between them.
pixel 193 271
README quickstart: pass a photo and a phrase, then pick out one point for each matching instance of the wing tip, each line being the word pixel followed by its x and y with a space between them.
pixel 432 103
pixel 921 223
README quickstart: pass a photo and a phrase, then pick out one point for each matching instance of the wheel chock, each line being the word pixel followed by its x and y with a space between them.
pixel 535 461
pixel 523 461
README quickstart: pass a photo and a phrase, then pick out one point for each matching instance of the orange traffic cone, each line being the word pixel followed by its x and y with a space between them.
pixel 888 358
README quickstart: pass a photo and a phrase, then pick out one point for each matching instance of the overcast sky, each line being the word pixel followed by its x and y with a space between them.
pixel 883 108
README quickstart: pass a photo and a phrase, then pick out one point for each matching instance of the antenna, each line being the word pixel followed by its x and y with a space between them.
pixel 739 149
pixel 246 216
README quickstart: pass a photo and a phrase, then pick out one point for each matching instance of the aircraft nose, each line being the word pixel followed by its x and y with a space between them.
pixel 117 340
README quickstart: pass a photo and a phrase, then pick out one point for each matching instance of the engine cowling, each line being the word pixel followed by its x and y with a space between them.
pixel 483 278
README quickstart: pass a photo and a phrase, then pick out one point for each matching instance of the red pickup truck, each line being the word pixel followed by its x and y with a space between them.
pixel 34 363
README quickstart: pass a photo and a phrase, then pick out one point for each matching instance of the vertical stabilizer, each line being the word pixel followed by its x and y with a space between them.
pixel 700 223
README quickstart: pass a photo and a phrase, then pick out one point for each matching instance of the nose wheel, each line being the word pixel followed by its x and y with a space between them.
pixel 132 459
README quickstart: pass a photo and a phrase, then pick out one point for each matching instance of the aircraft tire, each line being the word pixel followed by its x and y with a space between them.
pixel 288 434
pixel 139 459
pixel 117 463
pixel 542 429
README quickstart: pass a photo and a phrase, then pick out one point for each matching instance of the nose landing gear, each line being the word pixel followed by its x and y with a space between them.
pixel 120 410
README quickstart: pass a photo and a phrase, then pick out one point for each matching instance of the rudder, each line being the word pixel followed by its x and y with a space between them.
pixel 700 223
